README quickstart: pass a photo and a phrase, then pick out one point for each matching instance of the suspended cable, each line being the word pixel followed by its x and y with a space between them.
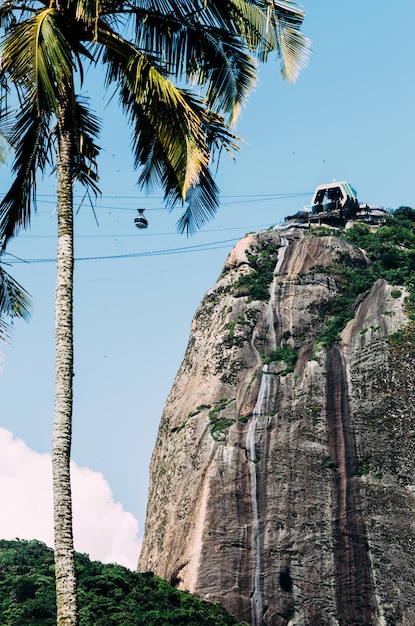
pixel 147 234
pixel 196 248
pixel 225 200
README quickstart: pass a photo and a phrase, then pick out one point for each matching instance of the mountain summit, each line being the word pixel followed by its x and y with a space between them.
pixel 282 480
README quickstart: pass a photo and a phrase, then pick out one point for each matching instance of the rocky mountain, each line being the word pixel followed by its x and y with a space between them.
pixel 282 480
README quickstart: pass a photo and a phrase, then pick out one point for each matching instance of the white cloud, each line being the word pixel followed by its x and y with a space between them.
pixel 102 528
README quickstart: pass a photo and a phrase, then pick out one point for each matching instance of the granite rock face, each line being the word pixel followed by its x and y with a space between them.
pixel 282 480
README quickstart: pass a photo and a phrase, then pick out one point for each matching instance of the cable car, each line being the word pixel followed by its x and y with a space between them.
pixel 140 221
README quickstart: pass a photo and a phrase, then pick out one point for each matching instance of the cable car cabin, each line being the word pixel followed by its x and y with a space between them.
pixel 140 221
pixel 334 203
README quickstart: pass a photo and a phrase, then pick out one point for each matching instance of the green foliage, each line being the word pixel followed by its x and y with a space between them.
pixel 219 424
pixel 328 464
pixel 202 407
pixel 231 327
pixel 352 281
pixel 404 213
pixel 284 354
pixel 232 339
pixel 319 231
pixel 362 470
pixel 314 410
pixel 109 595
pixel 15 302
pixel 391 250
pixel 256 284
pixel 397 338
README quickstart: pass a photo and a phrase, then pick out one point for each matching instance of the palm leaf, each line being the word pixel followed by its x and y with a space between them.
pixel 174 135
pixel 37 59
pixel 15 301
pixel 31 142
pixel 5 130
pixel 87 11
pixel 292 46
pixel 203 201
pixel 230 73
pixel 40 69
pixel 203 198
pixel 267 26
pixel 247 19
pixel 85 168
pixel 202 55
pixel 158 111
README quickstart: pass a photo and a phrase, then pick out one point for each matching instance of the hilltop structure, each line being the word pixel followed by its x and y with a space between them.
pixel 336 204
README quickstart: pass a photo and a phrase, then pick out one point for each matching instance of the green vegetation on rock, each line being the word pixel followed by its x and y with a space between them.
pixel 218 424
pixel 391 251
pixel 109 595
pixel 256 284
pixel 284 354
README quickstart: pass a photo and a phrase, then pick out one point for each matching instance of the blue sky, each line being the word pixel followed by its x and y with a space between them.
pixel 350 116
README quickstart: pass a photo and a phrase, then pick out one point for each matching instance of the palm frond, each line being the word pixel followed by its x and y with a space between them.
pixel 87 11
pixel 268 26
pixel 292 46
pixel 37 58
pixel 3 148
pixel 203 202
pixel 86 152
pixel 204 55
pixel 207 43
pixel 203 199
pixel 6 124
pixel 246 19
pixel 228 71
pixel 172 125
pixel 274 26
pixel 174 135
pixel 210 43
pixel 31 142
pixel 157 109
pixel 15 301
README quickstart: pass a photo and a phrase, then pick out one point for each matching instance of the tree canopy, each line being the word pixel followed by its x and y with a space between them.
pixel 109 595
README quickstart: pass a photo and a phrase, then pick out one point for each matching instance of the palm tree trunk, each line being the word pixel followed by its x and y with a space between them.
pixel 66 596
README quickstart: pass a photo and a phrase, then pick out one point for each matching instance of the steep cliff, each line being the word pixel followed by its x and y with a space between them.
pixel 282 480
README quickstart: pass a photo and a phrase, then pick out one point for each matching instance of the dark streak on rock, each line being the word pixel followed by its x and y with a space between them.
pixel 354 588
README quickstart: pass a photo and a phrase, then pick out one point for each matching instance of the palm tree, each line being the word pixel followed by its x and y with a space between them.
pixel 148 47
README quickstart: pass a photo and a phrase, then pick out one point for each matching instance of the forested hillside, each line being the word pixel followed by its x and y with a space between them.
pixel 109 595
